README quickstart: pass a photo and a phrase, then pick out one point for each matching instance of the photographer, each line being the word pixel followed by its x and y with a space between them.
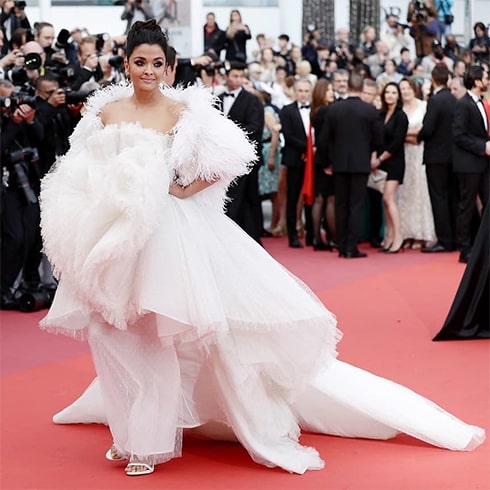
pixel 20 136
pixel 396 36
pixel 13 16
pixel 87 68
pixel 422 18
pixel 135 10
pixel 56 118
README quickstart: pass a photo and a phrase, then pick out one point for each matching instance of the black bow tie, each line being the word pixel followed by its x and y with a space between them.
pixel 228 94
pixel 306 106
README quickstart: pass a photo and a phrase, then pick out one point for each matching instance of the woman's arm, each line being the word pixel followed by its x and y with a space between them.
pixel 183 191
pixel 272 125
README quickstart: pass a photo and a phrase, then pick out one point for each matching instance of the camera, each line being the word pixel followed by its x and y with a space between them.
pixel 20 161
pixel 20 98
pixel 35 298
pixel 100 40
pixel 212 67
pixel 76 96
pixel 62 40
pixel 420 10
pixel 116 62
pixel 5 102
pixel 18 75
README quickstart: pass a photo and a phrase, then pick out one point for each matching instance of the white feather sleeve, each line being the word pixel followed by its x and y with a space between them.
pixel 207 144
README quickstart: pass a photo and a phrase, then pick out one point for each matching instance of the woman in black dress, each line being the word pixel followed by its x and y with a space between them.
pixel 324 204
pixel 391 159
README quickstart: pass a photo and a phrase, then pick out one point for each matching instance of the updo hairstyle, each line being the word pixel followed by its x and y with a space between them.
pixel 147 32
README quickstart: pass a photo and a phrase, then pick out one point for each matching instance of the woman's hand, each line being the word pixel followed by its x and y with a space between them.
pixel 183 191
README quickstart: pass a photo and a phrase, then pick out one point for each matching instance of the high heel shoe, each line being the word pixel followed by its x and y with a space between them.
pixel 401 248
pixel 385 249
pixel 319 245
pixel 279 231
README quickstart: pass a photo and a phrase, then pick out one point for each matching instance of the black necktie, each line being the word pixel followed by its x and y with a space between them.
pixel 307 106
pixel 229 94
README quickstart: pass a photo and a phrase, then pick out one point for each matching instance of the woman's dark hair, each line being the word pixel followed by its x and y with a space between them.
pixel 147 32
pixel 481 26
pixel 318 96
pixel 384 106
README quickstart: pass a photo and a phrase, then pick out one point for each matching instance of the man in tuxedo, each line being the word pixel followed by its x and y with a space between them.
pixel 352 131
pixel 246 110
pixel 436 132
pixel 471 153
pixel 295 122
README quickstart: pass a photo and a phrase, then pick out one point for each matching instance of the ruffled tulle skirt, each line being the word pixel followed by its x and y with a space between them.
pixel 227 335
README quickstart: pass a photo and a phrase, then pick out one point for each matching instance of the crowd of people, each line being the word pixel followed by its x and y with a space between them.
pixel 289 99
pixel 186 324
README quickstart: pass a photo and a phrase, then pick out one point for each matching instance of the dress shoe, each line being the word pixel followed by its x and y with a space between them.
pixel 435 249
pixel 295 243
pixel 9 303
pixel 355 254
pixel 376 243
pixel 266 233
pixel 321 246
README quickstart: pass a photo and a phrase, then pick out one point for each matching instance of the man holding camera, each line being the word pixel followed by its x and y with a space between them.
pixel 424 27
pixel 12 17
pixel 87 68
pixel 21 134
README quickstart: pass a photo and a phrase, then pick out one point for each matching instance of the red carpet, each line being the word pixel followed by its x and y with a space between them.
pixel 389 308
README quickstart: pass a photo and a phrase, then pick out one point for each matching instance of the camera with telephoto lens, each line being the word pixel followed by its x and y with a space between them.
pixel 20 98
pixel 35 298
pixel 76 96
pixel 20 161
pixel 5 102
pixel 18 75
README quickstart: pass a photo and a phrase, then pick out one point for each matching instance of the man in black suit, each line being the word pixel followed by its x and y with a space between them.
pixel 295 122
pixel 436 133
pixel 352 131
pixel 471 153
pixel 246 110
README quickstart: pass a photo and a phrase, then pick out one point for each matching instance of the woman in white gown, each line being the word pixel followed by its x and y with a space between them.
pixel 182 311
pixel 416 217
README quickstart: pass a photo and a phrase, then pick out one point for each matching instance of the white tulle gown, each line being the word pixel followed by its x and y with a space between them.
pixel 190 322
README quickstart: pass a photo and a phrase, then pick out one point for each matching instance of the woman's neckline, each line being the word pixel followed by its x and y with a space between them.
pixel 121 124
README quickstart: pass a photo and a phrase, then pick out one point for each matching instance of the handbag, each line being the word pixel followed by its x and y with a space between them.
pixel 448 19
pixel 377 179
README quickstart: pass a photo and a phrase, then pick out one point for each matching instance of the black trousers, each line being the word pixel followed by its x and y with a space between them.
pixel 244 207
pixel 20 239
pixel 350 194
pixel 443 192
pixel 294 181
pixel 470 186
pixel 375 218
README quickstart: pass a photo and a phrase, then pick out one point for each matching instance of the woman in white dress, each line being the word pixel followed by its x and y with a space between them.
pixel 416 217
pixel 190 322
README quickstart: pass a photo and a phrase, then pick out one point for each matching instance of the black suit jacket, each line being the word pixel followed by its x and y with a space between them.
pixel 436 132
pixel 470 137
pixel 248 112
pixel 352 131
pixel 295 136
